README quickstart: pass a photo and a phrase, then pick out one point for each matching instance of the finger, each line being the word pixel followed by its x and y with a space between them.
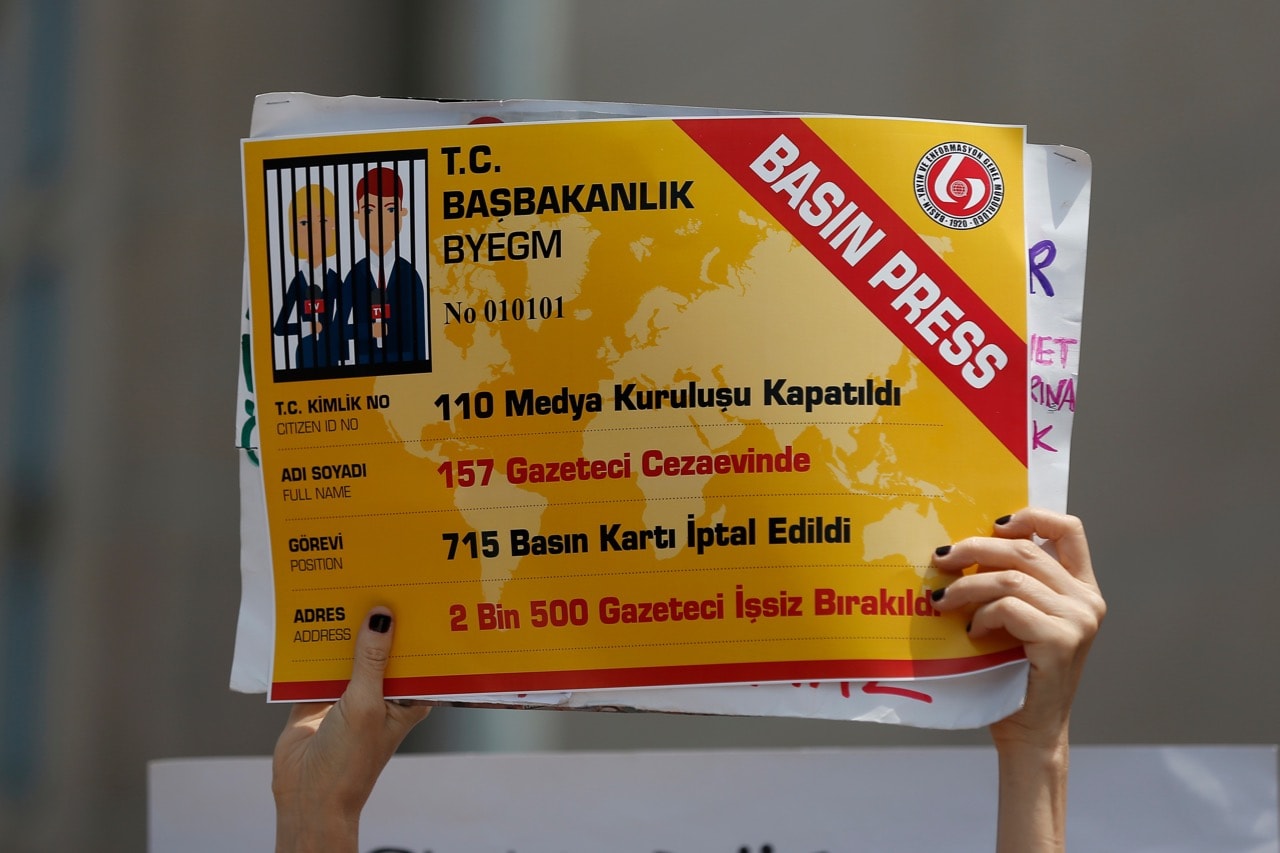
pixel 307 714
pixel 373 648
pixel 975 590
pixel 410 714
pixel 304 721
pixel 991 554
pixel 1019 619
pixel 1029 625
pixel 1066 532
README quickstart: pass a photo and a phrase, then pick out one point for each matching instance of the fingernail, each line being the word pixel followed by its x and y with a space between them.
pixel 380 622
pixel 942 550
pixel 1004 519
pixel 937 594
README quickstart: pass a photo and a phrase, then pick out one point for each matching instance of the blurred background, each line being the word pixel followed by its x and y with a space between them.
pixel 120 271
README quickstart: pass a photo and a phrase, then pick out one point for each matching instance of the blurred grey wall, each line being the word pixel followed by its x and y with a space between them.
pixel 120 271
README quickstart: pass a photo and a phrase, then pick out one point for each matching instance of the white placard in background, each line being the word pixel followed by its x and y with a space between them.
pixel 1176 799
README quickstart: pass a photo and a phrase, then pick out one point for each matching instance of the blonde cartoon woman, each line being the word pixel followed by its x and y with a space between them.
pixel 310 299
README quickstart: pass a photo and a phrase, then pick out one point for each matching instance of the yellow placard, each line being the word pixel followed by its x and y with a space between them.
pixel 633 403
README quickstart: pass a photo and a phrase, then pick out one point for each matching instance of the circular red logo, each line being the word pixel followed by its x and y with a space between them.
pixel 958 185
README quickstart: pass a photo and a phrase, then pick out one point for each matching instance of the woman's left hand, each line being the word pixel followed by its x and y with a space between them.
pixel 330 754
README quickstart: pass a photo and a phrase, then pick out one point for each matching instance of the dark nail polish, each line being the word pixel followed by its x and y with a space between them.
pixel 942 550
pixel 1004 519
pixel 380 622
pixel 937 594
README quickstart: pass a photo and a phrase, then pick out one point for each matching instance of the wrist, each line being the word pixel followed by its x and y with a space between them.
pixel 1024 733
pixel 318 830
pixel 1037 759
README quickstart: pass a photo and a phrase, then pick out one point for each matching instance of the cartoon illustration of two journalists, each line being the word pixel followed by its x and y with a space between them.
pixel 353 215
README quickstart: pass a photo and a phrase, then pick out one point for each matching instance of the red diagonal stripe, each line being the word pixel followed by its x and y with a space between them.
pixel 990 379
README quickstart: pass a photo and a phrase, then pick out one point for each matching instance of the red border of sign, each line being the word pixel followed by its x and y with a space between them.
pixel 654 676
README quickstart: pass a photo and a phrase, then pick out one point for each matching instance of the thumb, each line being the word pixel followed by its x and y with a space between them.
pixel 373 648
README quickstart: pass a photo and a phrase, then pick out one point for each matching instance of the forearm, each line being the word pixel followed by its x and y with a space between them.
pixel 1033 797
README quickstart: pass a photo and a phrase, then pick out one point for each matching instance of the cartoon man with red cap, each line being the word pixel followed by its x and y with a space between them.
pixel 387 302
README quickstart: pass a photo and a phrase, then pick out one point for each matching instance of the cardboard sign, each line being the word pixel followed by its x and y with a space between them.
pixel 1056 185
pixel 656 402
